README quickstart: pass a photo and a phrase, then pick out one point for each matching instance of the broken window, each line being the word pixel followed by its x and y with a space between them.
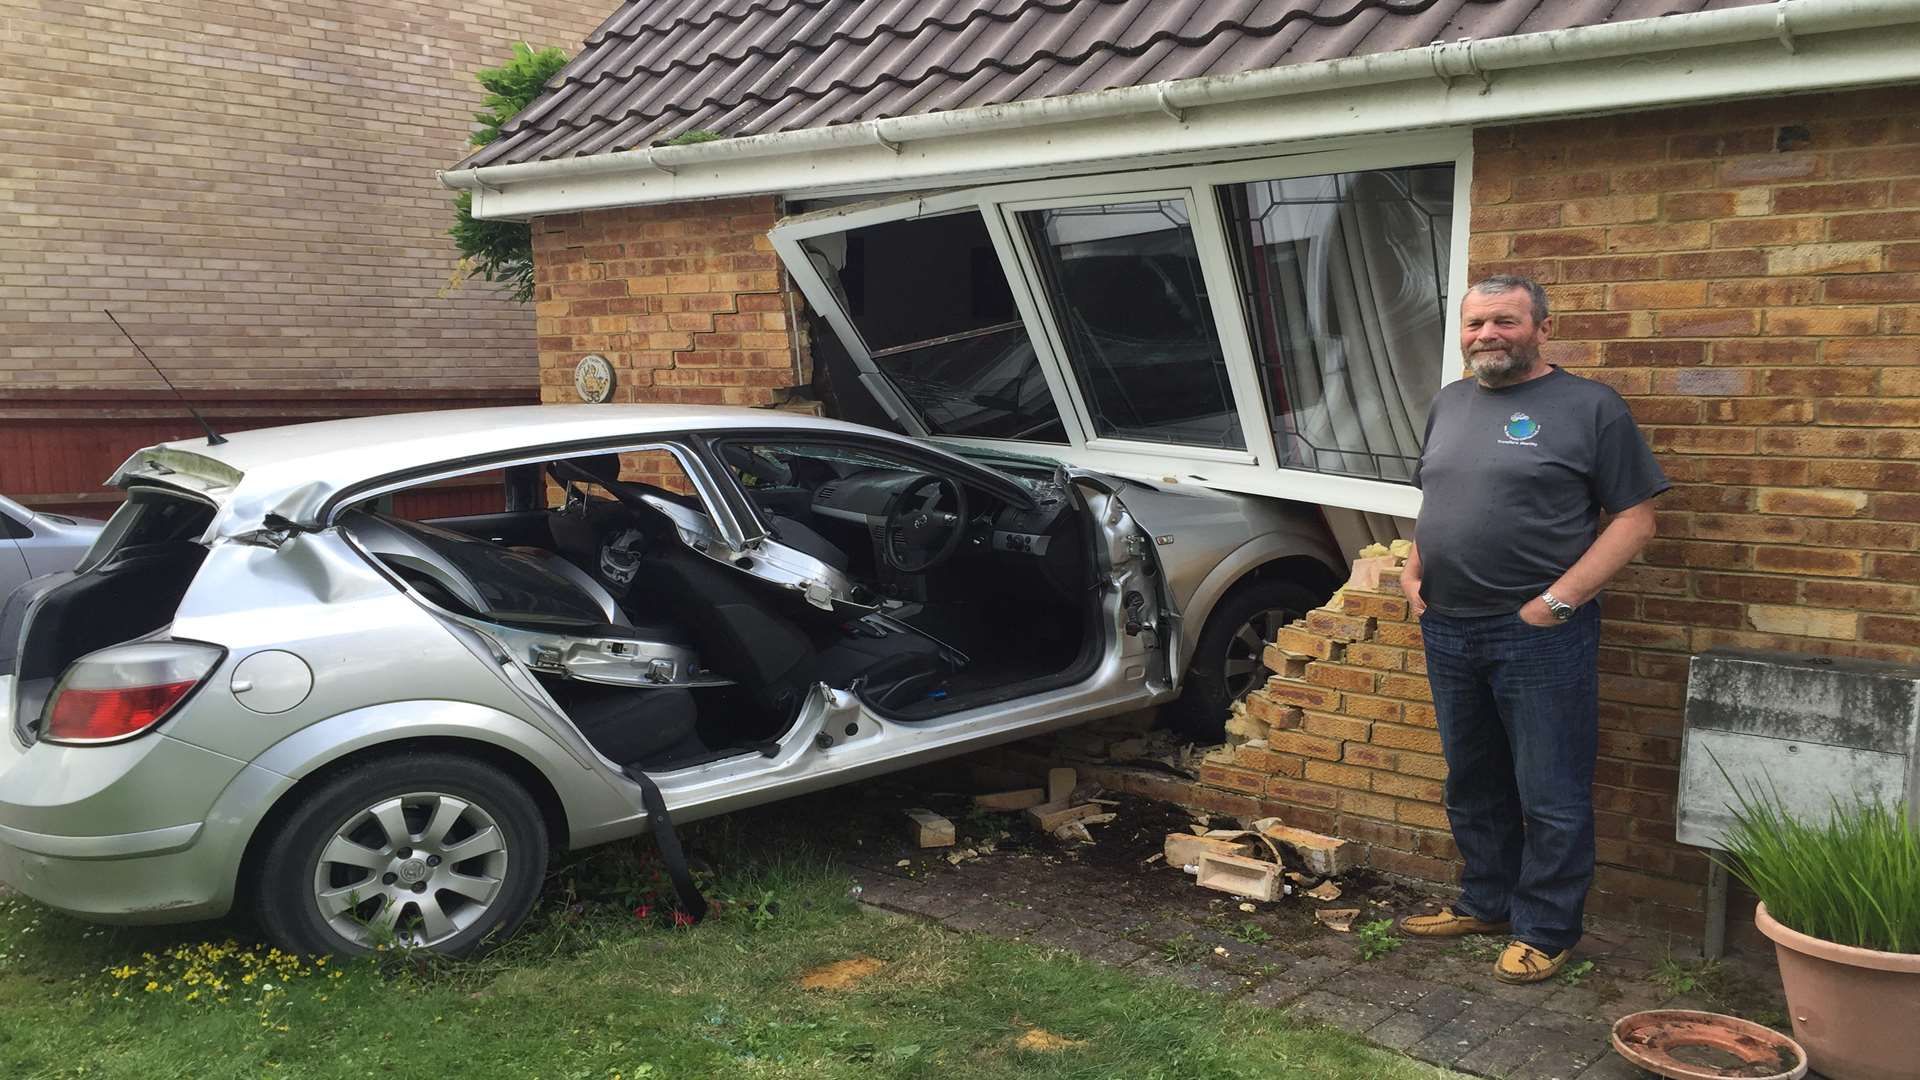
pixel 1275 327
pixel 934 313
pixel 1128 295
pixel 1344 284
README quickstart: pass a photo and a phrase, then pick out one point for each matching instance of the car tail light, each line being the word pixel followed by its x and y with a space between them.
pixel 121 691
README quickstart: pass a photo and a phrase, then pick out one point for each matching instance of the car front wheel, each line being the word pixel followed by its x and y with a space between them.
pixel 434 851
pixel 1226 661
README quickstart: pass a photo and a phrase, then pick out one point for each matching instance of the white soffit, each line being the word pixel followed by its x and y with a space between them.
pixel 1797 46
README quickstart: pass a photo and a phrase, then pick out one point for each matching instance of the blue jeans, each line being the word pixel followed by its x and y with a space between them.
pixel 1519 713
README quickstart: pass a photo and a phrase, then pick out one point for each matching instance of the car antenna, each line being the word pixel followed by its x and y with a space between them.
pixel 214 438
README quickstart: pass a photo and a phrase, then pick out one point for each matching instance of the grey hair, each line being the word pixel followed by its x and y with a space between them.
pixel 1505 283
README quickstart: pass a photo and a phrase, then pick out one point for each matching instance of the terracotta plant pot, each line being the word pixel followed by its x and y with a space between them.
pixel 1857 1011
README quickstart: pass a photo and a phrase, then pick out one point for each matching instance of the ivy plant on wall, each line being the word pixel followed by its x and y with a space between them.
pixel 502 250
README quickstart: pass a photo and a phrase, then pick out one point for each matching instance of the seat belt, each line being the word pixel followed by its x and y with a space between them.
pixel 671 856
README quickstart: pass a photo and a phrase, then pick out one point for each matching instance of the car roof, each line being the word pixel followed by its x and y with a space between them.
pixel 296 471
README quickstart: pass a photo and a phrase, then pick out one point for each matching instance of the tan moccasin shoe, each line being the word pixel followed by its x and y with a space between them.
pixel 1522 963
pixel 1448 923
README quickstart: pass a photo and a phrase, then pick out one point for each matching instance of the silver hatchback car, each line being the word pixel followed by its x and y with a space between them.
pixel 297 673
pixel 38 543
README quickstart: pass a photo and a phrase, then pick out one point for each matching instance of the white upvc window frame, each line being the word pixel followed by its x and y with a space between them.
pixel 1254 470
pixel 1255 429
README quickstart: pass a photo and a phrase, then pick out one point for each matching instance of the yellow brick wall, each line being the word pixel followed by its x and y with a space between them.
pixel 1749 279
pixel 687 301
pixel 1342 738
pixel 250 187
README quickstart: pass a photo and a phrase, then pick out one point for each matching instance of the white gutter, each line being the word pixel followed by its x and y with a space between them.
pixel 1784 24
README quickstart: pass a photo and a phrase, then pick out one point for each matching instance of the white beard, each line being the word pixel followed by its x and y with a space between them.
pixel 1502 367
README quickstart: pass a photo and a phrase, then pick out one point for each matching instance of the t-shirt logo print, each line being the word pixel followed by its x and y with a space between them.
pixel 1521 427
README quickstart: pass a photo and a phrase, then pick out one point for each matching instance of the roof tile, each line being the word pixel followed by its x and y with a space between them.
pixel 660 68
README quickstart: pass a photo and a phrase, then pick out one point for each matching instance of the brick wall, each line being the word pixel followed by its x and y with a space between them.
pixel 251 189
pixel 1749 278
pixel 1343 737
pixel 687 301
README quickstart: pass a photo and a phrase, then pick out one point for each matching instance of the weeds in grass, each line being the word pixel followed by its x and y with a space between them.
pixel 1686 977
pixel 587 991
pixel 1572 974
pixel 1251 933
pixel 1183 950
pixel 214 974
pixel 1479 947
pixel 1377 939
pixel 1853 879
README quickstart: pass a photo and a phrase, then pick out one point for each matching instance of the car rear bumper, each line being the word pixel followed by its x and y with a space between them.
pixel 174 886
pixel 126 832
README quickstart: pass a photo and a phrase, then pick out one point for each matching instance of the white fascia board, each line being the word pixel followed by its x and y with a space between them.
pixel 1442 86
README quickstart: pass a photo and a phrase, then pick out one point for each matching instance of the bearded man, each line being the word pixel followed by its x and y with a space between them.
pixel 1509 558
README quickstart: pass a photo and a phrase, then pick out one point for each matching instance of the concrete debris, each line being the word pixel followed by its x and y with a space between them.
pixel 1249 908
pixel 1183 849
pixel 930 829
pixel 1050 816
pixel 1326 892
pixel 1366 571
pixel 1339 920
pixel 1060 784
pixel 1242 729
pixel 1073 831
pixel 1253 878
pixel 1009 801
pixel 1325 856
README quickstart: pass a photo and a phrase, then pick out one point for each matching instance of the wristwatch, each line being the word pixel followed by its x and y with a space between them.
pixel 1561 609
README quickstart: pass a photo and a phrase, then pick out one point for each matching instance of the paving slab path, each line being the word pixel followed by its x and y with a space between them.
pixel 1113 902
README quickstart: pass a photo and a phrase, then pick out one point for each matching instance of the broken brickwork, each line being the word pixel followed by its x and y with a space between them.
pixel 1342 738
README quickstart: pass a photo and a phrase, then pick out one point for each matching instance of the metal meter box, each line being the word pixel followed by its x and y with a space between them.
pixel 1809 728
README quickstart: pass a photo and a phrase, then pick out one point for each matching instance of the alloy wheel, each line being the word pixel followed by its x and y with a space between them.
pixel 413 869
pixel 1247 647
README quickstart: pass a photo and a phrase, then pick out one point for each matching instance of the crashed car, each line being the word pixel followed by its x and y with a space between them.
pixel 38 543
pixel 284 680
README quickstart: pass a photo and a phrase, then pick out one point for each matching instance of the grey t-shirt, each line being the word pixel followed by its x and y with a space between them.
pixel 1515 480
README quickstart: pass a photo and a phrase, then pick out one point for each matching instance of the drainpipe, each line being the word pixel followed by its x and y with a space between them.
pixel 1785 21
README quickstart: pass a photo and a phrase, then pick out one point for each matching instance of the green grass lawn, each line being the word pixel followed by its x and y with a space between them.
pixel 589 991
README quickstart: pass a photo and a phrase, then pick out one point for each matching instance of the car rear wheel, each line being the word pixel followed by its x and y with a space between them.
pixel 434 851
pixel 1226 662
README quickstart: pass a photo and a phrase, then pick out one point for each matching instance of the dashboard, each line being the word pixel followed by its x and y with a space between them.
pixel 868 496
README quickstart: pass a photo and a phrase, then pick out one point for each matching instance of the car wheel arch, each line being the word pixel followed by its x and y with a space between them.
pixel 553 810
pixel 1251 563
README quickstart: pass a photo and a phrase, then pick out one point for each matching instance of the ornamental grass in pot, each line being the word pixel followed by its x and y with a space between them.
pixel 1840 900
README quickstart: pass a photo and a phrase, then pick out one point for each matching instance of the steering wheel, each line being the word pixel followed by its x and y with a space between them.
pixel 920 535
